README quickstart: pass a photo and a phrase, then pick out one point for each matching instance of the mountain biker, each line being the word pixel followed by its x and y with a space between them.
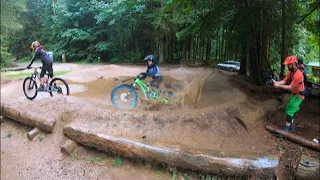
pixel 152 71
pixel 294 83
pixel 46 60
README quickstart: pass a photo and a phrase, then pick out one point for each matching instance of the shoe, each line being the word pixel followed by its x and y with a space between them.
pixel 41 88
pixel 286 128
pixel 291 127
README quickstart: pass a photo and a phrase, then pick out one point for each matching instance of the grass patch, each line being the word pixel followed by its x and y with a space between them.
pixel 8 136
pixel 174 174
pixel 81 62
pixel 117 162
pixel 95 159
pixel 41 137
pixel 23 60
pixel 73 156
pixel 23 75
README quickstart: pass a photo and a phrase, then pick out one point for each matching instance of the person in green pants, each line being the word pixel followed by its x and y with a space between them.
pixel 294 82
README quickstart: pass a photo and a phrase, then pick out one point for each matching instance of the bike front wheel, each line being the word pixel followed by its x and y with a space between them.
pixel 30 88
pixel 124 96
pixel 59 87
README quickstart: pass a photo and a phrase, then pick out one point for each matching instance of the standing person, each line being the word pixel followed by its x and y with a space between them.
pixel 46 60
pixel 294 83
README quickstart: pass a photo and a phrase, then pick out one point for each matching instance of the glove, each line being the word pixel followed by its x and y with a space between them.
pixel 28 67
pixel 141 74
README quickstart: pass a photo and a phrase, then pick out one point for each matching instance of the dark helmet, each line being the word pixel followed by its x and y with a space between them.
pixel 150 57
pixel 300 61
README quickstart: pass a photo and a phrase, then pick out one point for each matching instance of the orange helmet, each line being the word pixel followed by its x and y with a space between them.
pixel 290 60
pixel 34 45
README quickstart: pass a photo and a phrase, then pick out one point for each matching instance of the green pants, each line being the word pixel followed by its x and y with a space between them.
pixel 293 104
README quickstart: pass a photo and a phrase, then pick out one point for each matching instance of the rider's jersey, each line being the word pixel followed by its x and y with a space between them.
pixel 295 79
pixel 43 55
pixel 153 71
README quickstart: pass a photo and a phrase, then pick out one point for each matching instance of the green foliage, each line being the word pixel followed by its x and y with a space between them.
pixel 117 162
pixel 174 174
pixel 127 30
pixel 9 135
pixel 115 60
pixel 96 159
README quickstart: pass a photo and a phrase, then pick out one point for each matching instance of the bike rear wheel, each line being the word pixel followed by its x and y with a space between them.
pixel 59 87
pixel 124 96
pixel 30 88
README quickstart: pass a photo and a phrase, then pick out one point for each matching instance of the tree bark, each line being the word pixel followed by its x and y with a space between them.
pixel 161 53
pixel 217 45
pixel 295 138
pixel 283 38
pixel 265 37
pixel 213 161
pixel 208 50
pixel 225 45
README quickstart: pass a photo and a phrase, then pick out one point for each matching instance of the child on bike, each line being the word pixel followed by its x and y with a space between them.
pixel 46 60
pixel 152 71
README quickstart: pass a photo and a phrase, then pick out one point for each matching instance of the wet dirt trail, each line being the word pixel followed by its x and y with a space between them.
pixel 201 115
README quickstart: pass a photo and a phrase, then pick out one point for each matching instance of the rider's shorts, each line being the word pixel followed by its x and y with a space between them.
pixel 293 104
pixel 46 68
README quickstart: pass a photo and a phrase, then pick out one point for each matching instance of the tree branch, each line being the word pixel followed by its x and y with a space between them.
pixel 309 12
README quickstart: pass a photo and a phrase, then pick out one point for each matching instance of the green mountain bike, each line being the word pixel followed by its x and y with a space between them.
pixel 125 96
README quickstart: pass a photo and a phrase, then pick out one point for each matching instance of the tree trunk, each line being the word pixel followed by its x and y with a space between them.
pixel 225 45
pixel 221 45
pixel 64 58
pixel 161 55
pixel 283 38
pixel 191 49
pixel 243 64
pixel 265 38
pixel 217 45
pixel 208 51
pixel 214 162
pixel 183 58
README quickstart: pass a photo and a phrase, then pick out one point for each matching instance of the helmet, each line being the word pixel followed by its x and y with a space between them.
pixel 150 57
pixel 34 45
pixel 290 60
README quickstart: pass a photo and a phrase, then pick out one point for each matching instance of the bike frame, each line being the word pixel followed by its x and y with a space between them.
pixel 144 87
pixel 36 74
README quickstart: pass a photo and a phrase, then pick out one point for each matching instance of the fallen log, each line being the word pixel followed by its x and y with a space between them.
pixel 240 164
pixel 295 138
pixel 23 116
pixel 68 147
pixel 33 133
pixel 308 168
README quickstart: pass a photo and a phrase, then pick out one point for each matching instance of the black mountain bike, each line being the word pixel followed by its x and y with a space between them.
pixel 56 86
